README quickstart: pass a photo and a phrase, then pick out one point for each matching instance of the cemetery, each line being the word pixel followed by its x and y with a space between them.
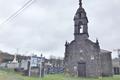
pixel 83 59
pixel 11 75
pixel 39 68
pixel 34 66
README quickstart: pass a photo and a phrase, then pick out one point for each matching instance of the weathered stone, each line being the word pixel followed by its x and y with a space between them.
pixel 84 57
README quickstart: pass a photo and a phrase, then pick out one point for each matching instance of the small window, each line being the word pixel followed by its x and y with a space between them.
pixel 92 57
pixel 81 51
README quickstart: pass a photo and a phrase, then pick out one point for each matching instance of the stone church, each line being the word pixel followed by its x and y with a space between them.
pixel 83 57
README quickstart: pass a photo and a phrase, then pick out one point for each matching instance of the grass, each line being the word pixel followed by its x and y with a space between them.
pixel 11 75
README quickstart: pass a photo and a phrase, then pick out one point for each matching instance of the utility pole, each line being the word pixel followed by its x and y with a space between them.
pixel 29 66
pixel 40 65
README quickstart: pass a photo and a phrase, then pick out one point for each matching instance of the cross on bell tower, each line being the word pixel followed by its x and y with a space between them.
pixel 80 3
pixel 80 21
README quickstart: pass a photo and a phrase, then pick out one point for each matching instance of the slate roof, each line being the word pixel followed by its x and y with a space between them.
pixel 105 51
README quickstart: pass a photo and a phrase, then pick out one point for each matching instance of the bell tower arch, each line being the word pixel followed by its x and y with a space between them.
pixel 80 21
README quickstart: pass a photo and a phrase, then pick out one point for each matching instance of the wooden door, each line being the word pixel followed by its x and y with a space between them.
pixel 81 69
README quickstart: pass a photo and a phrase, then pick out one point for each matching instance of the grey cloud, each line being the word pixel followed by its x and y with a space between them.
pixel 47 24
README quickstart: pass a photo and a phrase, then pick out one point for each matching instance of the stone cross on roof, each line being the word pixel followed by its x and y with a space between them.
pixel 80 3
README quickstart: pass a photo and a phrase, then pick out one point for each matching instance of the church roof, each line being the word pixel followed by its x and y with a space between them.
pixel 105 51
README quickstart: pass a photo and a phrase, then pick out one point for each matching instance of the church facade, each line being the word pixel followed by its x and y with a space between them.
pixel 83 57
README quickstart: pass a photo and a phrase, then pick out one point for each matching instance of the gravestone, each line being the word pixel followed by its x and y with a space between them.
pixel 35 67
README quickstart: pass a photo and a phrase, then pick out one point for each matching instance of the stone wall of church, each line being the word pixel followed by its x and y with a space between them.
pixel 106 64
pixel 83 51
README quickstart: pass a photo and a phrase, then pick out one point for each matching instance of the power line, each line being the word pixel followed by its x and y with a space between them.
pixel 27 4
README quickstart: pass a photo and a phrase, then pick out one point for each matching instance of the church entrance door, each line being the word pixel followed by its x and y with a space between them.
pixel 81 69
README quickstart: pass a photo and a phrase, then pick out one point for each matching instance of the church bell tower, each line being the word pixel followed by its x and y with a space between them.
pixel 80 22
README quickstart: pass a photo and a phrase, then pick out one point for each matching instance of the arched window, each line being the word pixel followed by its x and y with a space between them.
pixel 81 29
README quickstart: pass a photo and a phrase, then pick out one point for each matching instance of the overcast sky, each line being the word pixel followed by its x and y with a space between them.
pixel 44 26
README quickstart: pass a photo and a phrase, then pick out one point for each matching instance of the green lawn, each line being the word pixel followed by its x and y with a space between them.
pixel 11 75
